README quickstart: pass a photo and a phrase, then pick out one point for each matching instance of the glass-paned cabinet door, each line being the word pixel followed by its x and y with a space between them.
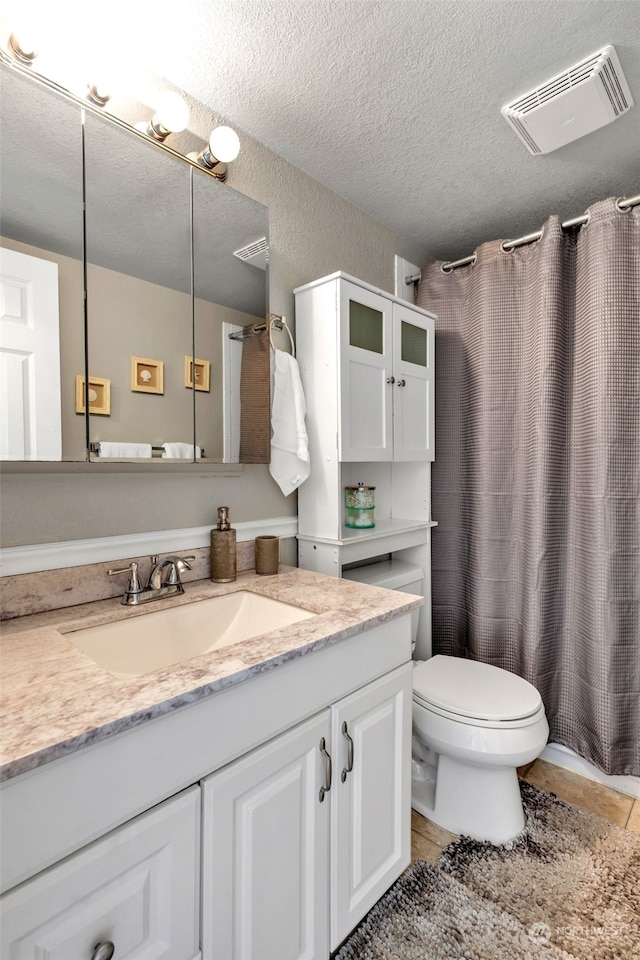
pixel 41 277
pixel 139 298
pixel 413 344
pixel 366 327
pixel 413 397
pixel 366 390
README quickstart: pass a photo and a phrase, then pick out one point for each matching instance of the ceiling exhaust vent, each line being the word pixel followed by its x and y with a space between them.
pixel 256 253
pixel 582 99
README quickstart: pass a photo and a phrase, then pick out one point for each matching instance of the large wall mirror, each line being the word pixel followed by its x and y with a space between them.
pixel 120 289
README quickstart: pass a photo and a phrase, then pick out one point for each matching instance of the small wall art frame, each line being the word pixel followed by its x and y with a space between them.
pixel 202 370
pixel 99 395
pixel 147 376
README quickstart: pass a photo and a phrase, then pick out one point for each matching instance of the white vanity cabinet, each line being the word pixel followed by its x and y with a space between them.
pixel 265 851
pixel 371 801
pixel 103 846
pixel 132 895
pixel 303 835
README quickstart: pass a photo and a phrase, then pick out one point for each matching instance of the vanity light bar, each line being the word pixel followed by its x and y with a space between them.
pixel 91 103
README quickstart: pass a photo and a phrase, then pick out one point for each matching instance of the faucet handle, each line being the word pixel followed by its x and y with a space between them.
pixel 134 580
pixel 178 566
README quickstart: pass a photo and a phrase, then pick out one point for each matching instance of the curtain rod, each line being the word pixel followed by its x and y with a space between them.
pixel 507 245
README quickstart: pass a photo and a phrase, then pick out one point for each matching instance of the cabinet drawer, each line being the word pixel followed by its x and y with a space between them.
pixel 137 888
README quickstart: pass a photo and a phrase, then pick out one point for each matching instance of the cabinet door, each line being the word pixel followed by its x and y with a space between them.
pixel 413 390
pixel 366 397
pixel 371 802
pixel 265 851
pixel 136 888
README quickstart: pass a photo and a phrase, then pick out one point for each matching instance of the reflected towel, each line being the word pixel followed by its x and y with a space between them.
pixel 289 442
pixel 180 451
pixel 125 449
pixel 255 425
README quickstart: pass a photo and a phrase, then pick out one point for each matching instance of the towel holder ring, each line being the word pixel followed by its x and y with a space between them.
pixel 281 324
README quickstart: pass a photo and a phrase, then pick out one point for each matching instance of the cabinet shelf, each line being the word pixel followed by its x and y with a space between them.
pixel 383 529
pixel 388 536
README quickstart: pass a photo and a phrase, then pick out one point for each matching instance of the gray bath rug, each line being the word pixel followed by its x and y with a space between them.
pixel 427 915
pixel 568 888
pixel 571 878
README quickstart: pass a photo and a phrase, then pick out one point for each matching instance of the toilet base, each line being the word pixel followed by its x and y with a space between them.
pixel 479 802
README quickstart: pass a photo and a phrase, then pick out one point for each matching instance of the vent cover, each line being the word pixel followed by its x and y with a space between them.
pixel 584 98
pixel 256 253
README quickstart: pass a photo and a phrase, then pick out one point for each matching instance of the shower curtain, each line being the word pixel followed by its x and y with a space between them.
pixel 536 482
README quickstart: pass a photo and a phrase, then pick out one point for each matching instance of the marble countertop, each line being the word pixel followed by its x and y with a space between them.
pixel 55 700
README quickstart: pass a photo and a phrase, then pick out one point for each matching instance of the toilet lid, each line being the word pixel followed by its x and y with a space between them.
pixel 475 690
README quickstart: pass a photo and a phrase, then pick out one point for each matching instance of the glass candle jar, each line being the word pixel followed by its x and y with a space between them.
pixel 359 505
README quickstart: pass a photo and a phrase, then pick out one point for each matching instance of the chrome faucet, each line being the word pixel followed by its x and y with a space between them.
pixel 164 579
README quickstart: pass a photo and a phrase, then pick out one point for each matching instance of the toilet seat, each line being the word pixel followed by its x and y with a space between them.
pixel 475 693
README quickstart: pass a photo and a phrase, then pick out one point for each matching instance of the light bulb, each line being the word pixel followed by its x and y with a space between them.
pixel 172 112
pixel 224 144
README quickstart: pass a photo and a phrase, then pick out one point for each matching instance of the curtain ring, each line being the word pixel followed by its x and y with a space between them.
pixel 624 207
pixel 505 247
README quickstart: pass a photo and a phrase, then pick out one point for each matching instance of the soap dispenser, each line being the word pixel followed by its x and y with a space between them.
pixel 223 549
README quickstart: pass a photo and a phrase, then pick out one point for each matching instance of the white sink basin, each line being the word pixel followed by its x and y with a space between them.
pixel 129 648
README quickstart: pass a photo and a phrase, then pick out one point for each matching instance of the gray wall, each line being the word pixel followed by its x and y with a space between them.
pixel 312 232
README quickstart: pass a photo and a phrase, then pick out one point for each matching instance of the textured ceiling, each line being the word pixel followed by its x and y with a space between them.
pixel 395 105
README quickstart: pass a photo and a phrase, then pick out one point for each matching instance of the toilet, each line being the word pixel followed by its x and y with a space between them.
pixel 473 725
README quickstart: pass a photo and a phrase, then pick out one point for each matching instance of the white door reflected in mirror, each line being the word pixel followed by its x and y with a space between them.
pixel 30 405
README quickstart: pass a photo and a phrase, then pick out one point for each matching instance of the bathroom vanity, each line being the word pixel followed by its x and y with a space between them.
pixel 253 801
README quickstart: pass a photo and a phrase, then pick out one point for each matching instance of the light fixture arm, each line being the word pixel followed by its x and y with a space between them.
pixel 22 56
pixel 207 160
pixel 156 131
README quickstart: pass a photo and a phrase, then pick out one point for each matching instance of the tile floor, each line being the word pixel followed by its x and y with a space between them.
pixel 428 840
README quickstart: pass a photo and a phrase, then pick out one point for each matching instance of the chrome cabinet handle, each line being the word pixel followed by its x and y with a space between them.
pixel 349 766
pixel 327 769
pixel 391 379
pixel 402 383
pixel 103 951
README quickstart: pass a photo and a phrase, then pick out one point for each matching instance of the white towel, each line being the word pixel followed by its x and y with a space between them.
pixel 180 451
pixel 125 449
pixel 289 442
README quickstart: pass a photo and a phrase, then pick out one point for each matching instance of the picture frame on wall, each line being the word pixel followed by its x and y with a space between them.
pixel 202 370
pixel 147 376
pixel 99 395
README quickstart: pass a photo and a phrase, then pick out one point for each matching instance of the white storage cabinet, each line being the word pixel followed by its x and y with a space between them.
pixel 367 364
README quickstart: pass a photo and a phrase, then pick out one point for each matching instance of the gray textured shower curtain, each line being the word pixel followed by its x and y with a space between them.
pixel 536 482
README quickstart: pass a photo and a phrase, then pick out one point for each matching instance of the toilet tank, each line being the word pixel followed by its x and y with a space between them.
pixel 394 575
